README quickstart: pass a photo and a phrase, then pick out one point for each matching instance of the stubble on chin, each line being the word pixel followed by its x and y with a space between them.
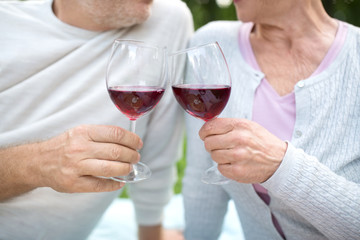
pixel 114 15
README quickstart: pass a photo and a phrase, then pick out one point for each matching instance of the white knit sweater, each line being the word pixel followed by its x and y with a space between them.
pixel 315 193
pixel 52 79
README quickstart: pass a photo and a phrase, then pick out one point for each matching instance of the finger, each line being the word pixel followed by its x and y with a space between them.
pixel 95 184
pixel 227 171
pixel 113 152
pixel 240 173
pixel 221 156
pixel 216 126
pixel 104 168
pixel 114 134
pixel 229 156
pixel 222 141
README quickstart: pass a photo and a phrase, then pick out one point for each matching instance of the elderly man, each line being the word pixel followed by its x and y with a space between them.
pixel 58 127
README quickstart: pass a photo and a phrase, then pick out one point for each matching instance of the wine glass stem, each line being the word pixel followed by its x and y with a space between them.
pixel 139 170
pixel 132 129
pixel 132 125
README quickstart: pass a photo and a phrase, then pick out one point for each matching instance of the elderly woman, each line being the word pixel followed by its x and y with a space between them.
pixel 289 137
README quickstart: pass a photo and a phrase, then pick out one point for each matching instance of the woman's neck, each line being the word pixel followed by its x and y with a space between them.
pixel 306 21
pixel 290 47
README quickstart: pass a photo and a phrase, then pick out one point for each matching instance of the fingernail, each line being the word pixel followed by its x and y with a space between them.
pixel 140 144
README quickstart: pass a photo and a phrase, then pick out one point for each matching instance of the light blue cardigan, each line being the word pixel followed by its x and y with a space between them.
pixel 315 193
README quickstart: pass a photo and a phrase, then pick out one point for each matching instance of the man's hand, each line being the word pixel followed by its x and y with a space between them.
pixel 70 162
pixel 157 232
pixel 86 152
pixel 245 151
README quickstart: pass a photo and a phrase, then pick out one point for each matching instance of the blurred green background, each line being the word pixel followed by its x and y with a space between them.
pixel 209 10
pixel 204 11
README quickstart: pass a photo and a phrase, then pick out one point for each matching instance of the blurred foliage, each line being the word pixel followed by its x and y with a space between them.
pixel 180 165
pixel 205 11
pixel 346 10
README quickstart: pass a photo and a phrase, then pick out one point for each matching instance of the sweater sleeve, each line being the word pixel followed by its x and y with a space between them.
pixel 330 202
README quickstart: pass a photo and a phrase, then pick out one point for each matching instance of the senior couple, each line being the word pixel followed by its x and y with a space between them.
pixel 289 138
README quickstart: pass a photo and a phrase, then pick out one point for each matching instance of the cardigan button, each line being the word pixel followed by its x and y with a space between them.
pixel 298 134
pixel 301 84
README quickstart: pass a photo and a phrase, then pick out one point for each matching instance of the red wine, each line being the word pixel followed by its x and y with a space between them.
pixel 134 101
pixel 202 101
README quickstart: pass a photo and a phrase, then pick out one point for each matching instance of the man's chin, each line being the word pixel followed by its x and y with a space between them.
pixel 141 19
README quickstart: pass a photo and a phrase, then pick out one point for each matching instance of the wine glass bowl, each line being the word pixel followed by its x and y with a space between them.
pixel 202 101
pixel 136 81
pixel 135 101
pixel 202 87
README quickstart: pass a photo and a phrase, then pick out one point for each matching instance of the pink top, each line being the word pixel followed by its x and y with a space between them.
pixel 274 112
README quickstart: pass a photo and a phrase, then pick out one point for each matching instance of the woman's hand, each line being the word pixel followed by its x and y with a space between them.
pixel 245 151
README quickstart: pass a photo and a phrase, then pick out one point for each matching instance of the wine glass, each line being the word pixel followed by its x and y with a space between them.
pixel 136 81
pixel 202 87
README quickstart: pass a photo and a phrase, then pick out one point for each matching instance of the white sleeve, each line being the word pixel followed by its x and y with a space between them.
pixel 330 202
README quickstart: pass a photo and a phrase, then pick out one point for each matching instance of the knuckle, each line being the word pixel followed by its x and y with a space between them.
pixel 123 169
pixel 242 124
pixel 71 133
pixel 136 157
pixel 77 147
pixel 207 145
pixel 138 142
pixel 116 152
pixel 127 169
pixel 208 126
pixel 240 138
pixel 74 144
pixel 224 168
pixel 118 133
pixel 78 131
pixel 71 151
pixel 105 169
pixel 238 154
pixel 215 156
pixel 98 186
pixel 238 172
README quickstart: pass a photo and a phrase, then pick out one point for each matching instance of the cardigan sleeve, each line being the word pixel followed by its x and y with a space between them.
pixel 330 202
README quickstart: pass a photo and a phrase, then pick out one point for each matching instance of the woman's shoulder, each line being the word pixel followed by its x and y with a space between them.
pixel 352 39
pixel 219 27
pixel 217 31
pixel 355 30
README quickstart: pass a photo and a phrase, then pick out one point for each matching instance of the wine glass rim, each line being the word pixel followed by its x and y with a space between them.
pixel 138 43
pixel 195 47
